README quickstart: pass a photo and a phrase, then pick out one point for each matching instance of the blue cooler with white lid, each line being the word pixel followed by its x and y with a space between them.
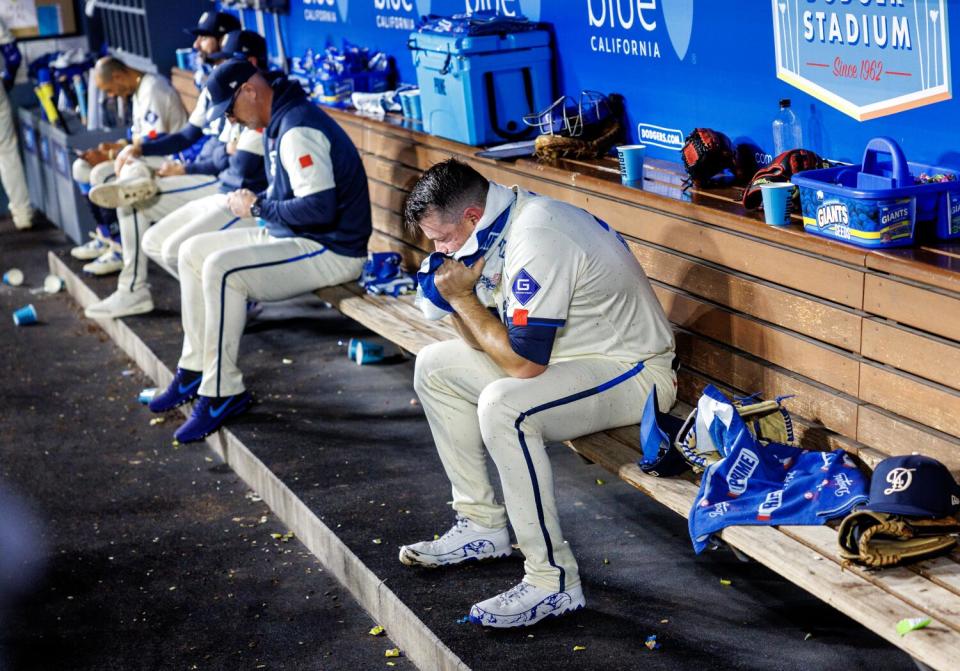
pixel 480 75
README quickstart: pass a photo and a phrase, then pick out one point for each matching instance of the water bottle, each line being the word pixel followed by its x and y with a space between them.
pixel 787 133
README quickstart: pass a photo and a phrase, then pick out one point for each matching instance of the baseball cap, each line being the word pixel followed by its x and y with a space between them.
pixel 242 44
pixel 215 24
pixel 223 84
pixel 913 485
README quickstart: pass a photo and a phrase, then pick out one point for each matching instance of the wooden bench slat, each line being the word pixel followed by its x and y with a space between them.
pixel 927 356
pixel 925 402
pixel 807 357
pixel 896 435
pixel 915 306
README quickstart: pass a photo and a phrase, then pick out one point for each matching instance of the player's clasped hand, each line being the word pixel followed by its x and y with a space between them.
pixel 240 202
pixel 455 280
pixel 171 168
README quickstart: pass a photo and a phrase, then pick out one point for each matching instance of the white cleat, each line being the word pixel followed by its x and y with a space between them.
pixel 524 604
pixel 123 193
pixel 91 250
pixel 110 261
pixel 465 541
pixel 121 303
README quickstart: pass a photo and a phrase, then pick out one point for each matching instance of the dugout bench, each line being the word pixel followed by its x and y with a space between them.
pixel 868 342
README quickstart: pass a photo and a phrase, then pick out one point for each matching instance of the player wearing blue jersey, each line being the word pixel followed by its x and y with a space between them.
pixel 316 210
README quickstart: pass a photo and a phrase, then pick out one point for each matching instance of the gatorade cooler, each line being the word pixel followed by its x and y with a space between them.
pixel 476 89
pixel 882 203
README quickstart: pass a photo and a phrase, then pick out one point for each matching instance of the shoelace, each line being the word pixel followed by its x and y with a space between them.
pixel 512 594
pixel 458 528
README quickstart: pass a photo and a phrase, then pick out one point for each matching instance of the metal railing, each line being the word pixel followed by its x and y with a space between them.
pixel 125 29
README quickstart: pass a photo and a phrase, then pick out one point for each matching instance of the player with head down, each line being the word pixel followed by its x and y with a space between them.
pixel 316 210
pixel 562 336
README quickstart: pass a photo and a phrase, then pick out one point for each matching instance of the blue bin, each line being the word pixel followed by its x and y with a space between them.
pixel 477 89
pixel 878 204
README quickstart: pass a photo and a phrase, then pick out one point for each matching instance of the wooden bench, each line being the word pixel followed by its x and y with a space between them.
pixel 804 555
pixel 868 341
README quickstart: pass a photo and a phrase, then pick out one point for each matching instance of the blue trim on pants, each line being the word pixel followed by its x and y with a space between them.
pixel 223 293
pixel 526 453
pixel 136 249
pixel 229 223
pixel 189 188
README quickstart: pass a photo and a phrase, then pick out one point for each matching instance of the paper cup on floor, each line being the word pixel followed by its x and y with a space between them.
pixel 13 277
pixel 52 284
pixel 25 315
pixel 776 202
pixel 631 163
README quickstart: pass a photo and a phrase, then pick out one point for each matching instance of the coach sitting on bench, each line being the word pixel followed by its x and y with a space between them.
pixel 316 210
pixel 562 336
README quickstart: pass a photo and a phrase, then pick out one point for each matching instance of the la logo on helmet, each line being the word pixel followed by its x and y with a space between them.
pixel 899 480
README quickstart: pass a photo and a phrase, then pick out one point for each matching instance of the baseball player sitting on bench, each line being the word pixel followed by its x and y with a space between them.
pixel 562 336
pixel 156 110
pixel 316 210
pixel 231 161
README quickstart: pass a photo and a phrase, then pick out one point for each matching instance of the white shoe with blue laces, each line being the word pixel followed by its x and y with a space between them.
pixel 524 604
pixel 465 541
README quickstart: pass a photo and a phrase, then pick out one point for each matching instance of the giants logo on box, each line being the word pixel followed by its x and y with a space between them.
pixel 866 59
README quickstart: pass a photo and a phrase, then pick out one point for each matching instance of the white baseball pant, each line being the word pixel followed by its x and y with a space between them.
pixel 134 221
pixel 220 271
pixel 470 402
pixel 11 167
pixel 162 241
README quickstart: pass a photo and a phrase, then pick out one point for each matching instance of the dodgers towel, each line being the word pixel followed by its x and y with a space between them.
pixel 768 484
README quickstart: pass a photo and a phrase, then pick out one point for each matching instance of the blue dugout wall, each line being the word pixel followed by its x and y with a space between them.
pixel 854 69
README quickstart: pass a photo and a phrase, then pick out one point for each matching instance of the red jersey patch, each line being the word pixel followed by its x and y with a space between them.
pixel 519 317
pixel 152 135
pixel 306 161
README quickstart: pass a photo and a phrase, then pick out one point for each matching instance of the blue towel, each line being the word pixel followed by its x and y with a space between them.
pixel 485 237
pixel 768 484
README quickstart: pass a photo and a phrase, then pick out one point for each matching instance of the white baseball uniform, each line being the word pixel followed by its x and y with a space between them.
pixel 573 297
pixel 199 215
pixel 11 166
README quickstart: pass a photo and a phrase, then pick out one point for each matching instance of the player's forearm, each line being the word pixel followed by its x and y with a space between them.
pixel 464 332
pixel 492 337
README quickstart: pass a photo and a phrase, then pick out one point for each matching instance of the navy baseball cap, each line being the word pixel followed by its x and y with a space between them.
pixel 223 84
pixel 242 44
pixel 913 485
pixel 215 24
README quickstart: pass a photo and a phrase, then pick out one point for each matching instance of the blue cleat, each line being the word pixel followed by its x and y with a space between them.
pixel 182 390
pixel 209 414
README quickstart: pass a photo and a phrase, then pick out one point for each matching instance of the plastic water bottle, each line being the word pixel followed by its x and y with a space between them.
pixel 787 133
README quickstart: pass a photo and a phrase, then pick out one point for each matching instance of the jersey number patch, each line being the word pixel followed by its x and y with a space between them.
pixel 525 287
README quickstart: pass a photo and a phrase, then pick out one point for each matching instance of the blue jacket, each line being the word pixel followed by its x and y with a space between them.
pixel 317 187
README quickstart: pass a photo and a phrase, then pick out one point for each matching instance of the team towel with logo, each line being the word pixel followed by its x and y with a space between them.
pixel 482 243
pixel 758 483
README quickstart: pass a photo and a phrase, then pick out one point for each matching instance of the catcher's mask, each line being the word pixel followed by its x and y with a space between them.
pixel 569 117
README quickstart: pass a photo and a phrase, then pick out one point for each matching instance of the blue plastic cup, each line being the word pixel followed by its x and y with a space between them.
pixel 416 106
pixel 13 277
pixel 185 58
pixel 776 202
pixel 25 316
pixel 363 352
pixel 631 163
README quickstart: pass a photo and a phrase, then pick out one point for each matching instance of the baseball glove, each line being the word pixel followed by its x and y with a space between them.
pixel 705 153
pixel 768 421
pixel 593 143
pixel 781 169
pixel 880 539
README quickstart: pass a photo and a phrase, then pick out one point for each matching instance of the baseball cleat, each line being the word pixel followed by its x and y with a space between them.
pixel 121 303
pixel 123 193
pixel 465 541
pixel 91 250
pixel 111 261
pixel 209 414
pixel 182 389
pixel 524 604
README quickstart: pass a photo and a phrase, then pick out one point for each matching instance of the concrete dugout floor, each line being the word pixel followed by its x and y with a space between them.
pixel 351 445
